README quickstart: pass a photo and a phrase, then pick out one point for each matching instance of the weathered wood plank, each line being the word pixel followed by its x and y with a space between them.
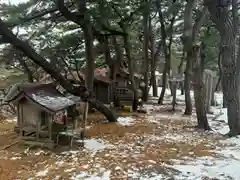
pixel 50 120
pixel 30 138
pixel 39 144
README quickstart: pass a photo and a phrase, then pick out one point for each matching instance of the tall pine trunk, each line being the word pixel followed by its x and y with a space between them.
pixel 145 47
pixel 187 84
pixel 153 61
pixel 127 47
pixel 199 89
pixel 220 15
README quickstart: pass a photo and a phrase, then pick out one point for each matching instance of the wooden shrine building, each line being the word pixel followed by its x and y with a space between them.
pixel 39 108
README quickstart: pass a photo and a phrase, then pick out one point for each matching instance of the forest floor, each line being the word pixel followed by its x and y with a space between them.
pixel 140 146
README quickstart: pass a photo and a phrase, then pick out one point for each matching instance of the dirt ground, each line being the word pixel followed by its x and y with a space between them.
pixel 143 144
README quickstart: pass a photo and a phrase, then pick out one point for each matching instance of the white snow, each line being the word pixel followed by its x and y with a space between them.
pixel 15 158
pixel 86 176
pixel 95 145
pixel 12 120
pixel 224 167
pixel 126 121
pixel 208 167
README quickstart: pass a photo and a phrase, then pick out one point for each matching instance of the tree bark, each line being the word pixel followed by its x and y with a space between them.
pixel 107 55
pixel 199 89
pixel 116 62
pixel 167 48
pixel 153 61
pixel 187 84
pixel 26 70
pixel 127 47
pixel 166 53
pixel 145 47
pixel 88 37
pixel 189 38
pixel 187 43
pixel 230 69
pixel 180 71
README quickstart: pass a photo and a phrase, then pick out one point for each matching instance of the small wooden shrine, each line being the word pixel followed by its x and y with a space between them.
pixel 43 113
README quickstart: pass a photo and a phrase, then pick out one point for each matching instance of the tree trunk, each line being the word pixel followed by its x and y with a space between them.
pixel 213 98
pixel 27 70
pixel 230 69
pixel 188 39
pixel 166 53
pixel 153 60
pixel 187 44
pixel 187 84
pixel 145 48
pixel 199 90
pixel 164 82
pixel 127 47
pixel 167 48
pixel 180 71
pixel 107 52
pixel 116 66
pixel 113 70
pixel 88 37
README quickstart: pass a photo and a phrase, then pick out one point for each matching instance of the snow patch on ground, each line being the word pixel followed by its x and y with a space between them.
pixel 13 120
pixel 226 166
pixel 95 145
pixel 199 168
pixel 125 121
pixel 105 176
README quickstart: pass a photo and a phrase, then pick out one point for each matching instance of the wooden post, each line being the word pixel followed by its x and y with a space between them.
pixel 73 133
pixel 50 120
pixel 210 90
pixel 207 92
pixel 84 122
pixel 20 120
pixel 76 122
pixel 18 114
pixel 208 81
pixel 37 128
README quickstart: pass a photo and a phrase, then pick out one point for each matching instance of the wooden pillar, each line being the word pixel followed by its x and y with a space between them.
pixel 84 122
pixel 76 122
pixel 208 80
pixel 37 128
pixel 20 116
pixel 50 120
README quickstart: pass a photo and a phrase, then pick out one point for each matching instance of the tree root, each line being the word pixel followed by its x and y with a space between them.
pixel 231 134
pixel 108 113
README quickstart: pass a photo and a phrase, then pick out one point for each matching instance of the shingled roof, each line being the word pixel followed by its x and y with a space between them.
pixel 45 95
pixel 100 75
